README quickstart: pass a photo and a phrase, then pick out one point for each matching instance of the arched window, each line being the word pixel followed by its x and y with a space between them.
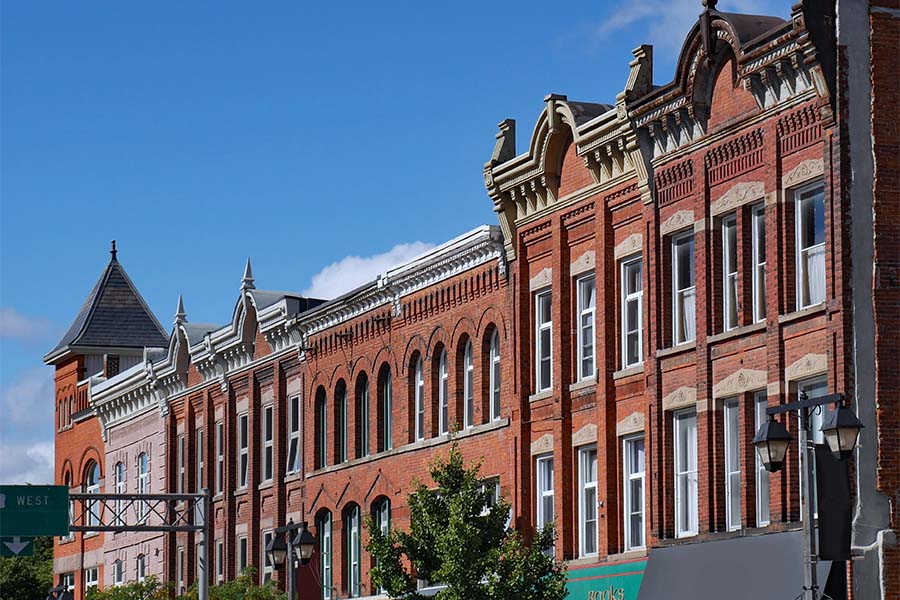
pixel 321 432
pixel 141 567
pixel 92 486
pixel 495 376
pixel 341 434
pixel 71 411
pixel 119 478
pixel 385 409
pixel 419 390
pixel 323 531
pixel 362 415
pixel 443 395
pixel 381 514
pixel 60 417
pixel 118 572
pixel 143 476
pixel 352 551
pixel 468 386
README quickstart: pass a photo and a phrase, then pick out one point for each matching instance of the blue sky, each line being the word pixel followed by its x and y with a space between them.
pixel 327 142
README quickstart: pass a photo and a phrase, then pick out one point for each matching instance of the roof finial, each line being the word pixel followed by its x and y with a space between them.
pixel 180 315
pixel 710 4
pixel 113 251
pixel 247 281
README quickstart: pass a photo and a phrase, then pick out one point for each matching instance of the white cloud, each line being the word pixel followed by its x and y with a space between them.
pixel 27 464
pixel 352 271
pixel 14 324
pixel 28 400
pixel 667 22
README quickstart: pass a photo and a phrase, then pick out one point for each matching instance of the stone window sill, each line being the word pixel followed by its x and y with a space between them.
pixel 541 396
pixel 802 313
pixel 685 347
pixel 585 383
pixel 635 370
pixel 737 332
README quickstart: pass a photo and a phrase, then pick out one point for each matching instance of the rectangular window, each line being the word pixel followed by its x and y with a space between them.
pixel 199 484
pixel 814 388
pixel 761 402
pixel 634 492
pixel 469 386
pixel 731 414
pixel 545 509
pixel 242 551
pixel 686 486
pixel 268 568
pixel 91 577
pixel 684 307
pixel 323 526
pixel 243 458
pixel 758 215
pixel 420 401
pixel 179 485
pixel 118 572
pixel 220 457
pixel 343 431
pixel 730 272
pixel 67 581
pixel 543 352
pixel 443 395
pixel 293 458
pixel 179 570
pixel 632 312
pixel 141 567
pixel 495 376
pixel 810 245
pixel 353 552
pixel 220 561
pixel 363 417
pixel 587 501
pixel 587 308
pixel 268 441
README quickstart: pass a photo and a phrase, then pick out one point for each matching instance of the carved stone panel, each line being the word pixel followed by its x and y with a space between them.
pixel 739 382
pixel 585 435
pixel 541 280
pixel 805 171
pixel 633 244
pixel 809 365
pixel 683 397
pixel 583 264
pixel 680 220
pixel 543 444
pixel 740 194
pixel 633 423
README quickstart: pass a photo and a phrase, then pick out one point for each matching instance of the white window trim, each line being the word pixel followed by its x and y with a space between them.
pixel 327 554
pixel 267 448
pixel 627 298
pixel 91 577
pixel 120 485
pixel 680 337
pixel 243 452
pixel 541 464
pixel 758 216
pixel 118 572
pixel 630 476
pixel 220 561
pixel 799 254
pixel 495 376
pixel 268 569
pixel 694 513
pixel 294 434
pixel 179 485
pixel 241 555
pixel 388 410
pixel 220 457
pixel 539 327
pixel 345 433
pixel 200 462
pixel 140 567
pixel 729 278
pixel 591 313
pixel 583 487
pixel 143 484
pixel 468 386
pixel 94 488
pixel 443 395
pixel 728 405
pixel 760 403
pixel 420 400
pixel 354 563
pixel 364 419
pixel 179 570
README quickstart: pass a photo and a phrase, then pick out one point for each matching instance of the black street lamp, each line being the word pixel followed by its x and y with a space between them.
pixel 304 544
pixel 60 592
pixel 276 551
pixel 772 441
pixel 841 429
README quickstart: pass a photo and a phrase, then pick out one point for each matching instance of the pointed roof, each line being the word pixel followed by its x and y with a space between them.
pixel 114 315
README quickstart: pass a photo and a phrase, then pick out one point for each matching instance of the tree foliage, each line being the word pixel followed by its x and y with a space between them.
pixel 28 577
pixel 242 588
pixel 150 588
pixel 453 540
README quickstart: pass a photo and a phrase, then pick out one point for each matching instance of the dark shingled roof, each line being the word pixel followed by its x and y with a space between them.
pixel 113 315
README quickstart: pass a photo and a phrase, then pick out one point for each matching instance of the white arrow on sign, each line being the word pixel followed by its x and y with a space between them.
pixel 17 545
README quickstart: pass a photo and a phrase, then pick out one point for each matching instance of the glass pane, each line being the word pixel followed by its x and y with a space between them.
pixel 730 235
pixel 633 277
pixel 587 294
pixel 734 491
pixel 636 530
pixel 684 254
pixel 637 456
pixel 544 309
pixel 812 209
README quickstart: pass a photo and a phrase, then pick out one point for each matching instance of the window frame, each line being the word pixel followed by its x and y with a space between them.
pixel 758 258
pixel 800 194
pixel 242 554
pixel 627 298
pixel 363 414
pixel 243 451
pixel 584 487
pixel 679 337
pixel 140 567
pixel 180 458
pixel 342 402
pixel 419 394
pixel 93 474
pixel 267 446
pixel 119 487
pixel 91 577
pixel 387 410
pixel 268 569
pixel 540 326
pixel 321 424
pixel 468 385
pixel 763 493
pixel 582 283
pixel 326 553
pixel 495 376
pixel 682 530
pixel 542 464
pixel 220 457
pixel 220 561
pixel 143 484
pixel 732 406
pixel 354 552
pixel 630 474
pixel 730 278
pixel 294 417
pixel 443 394
pixel 199 459
pixel 118 572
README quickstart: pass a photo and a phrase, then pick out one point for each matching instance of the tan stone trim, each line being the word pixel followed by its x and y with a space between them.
pixel 683 397
pixel 541 280
pixel 583 264
pixel 242 405
pixel 739 382
pixel 542 445
pixel 633 423
pixel 585 435
pixel 805 171
pixel 807 366
pixel 294 387
pixel 680 220
pixel 773 389
pixel 633 244
pixel 240 529
pixel 739 195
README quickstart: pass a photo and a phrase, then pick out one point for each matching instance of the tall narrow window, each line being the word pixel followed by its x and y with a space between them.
pixel 495 376
pixel 683 290
pixel 545 510
pixel 632 312
pixel 180 482
pixel 587 501
pixel 200 452
pixel 469 386
pixel 120 489
pixel 220 457
pixel 634 493
pixel 242 553
pixel 587 308
pixel 761 403
pixel 321 432
pixel 814 388
pixel 352 551
pixel 243 457
pixel 293 456
pixel 731 414
pixel 341 431
pixel 420 400
pixel 91 577
pixel 810 246
pixel 268 568
pixel 179 570
pixel 143 465
pixel 362 416
pixel 543 338
pixel 730 272
pixel 382 515
pixel 118 572
pixel 323 529
pixel 141 567
pixel 758 215
pixel 220 561
pixel 386 407
pixel 67 581
pixel 268 442
pixel 92 486
pixel 686 487
pixel 443 395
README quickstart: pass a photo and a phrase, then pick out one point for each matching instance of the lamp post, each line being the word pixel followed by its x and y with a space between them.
pixel 298 547
pixel 841 431
pixel 60 592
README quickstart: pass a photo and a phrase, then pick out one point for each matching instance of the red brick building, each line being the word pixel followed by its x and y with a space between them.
pixel 666 267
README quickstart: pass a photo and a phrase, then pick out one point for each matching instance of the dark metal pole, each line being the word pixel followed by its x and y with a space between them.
pixel 810 554
pixel 290 562
pixel 203 575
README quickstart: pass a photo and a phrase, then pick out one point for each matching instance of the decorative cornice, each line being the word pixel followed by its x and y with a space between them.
pixel 680 220
pixel 633 423
pixel 738 195
pixel 739 382
pixel 807 366
pixel 543 444
pixel 633 244
pixel 805 171
pixel 582 264
pixel 585 435
pixel 683 397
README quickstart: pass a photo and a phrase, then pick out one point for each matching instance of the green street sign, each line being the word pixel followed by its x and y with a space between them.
pixel 33 510
pixel 16 546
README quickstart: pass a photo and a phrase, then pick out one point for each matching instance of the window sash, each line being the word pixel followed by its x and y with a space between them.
pixel 388 411
pixel 143 487
pixel 635 490
pixel 364 419
pixel 632 317
pixel 810 241
pixel 180 482
pixel 268 442
pixel 140 567
pixel 587 501
pixel 543 341
pixel 731 416
pixel 199 472
pixel 323 526
pixel 420 401
pixel 243 451
pixel 545 491
pixel 293 456
pixel 761 402
pixel 443 395
pixel 495 376
pixel 353 553
pixel 684 290
pixel 120 489
pixel 759 263
pixel 220 561
pixel 469 386
pixel 242 551
pixel 345 435
pixel 587 308
pixel 686 484
pixel 268 568
pixel 729 272
pixel 220 457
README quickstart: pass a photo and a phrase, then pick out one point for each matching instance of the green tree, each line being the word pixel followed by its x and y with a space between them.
pixel 242 588
pixel 28 577
pixel 454 541
pixel 149 589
